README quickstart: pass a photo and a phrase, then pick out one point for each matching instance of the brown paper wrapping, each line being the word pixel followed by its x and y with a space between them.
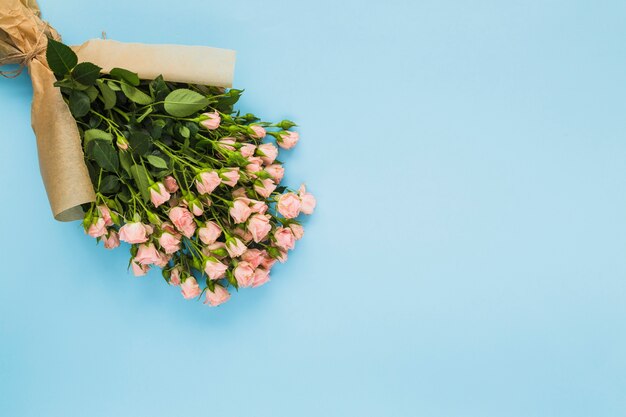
pixel 23 36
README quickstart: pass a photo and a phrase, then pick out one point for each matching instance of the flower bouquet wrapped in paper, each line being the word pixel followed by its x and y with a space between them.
pixel 143 144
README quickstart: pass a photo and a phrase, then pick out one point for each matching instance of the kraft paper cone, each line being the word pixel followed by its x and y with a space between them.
pixel 23 39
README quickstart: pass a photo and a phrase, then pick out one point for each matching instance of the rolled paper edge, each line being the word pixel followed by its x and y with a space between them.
pixel 61 159
pixel 178 63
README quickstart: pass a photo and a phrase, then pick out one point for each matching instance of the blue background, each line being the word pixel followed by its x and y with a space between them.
pixel 468 253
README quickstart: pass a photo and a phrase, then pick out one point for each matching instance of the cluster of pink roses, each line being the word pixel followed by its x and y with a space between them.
pixel 223 217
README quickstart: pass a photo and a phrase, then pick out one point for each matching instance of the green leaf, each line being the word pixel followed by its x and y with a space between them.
pixel 114 86
pixel 142 180
pixel 92 134
pixel 225 104
pixel 92 92
pixel 86 73
pixel 61 59
pixel 159 89
pixel 140 142
pixel 136 95
pixel 108 95
pixel 183 102
pixel 156 161
pixel 103 153
pixel 71 84
pixel 109 184
pixel 79 103
pixel 121 74
pixel 126 161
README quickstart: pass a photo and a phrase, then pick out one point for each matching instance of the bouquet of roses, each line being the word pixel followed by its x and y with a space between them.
pixel 162 162
pixel 190 184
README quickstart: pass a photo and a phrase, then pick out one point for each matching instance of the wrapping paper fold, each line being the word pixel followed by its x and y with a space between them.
pixel 23 37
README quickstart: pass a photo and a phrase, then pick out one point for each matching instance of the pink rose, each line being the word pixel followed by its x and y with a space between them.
pixel 206 182
pixel 244 273
pixel 209 233
pixel 112 240
pixel 168 227
pixel 259 226
pixel 247 150
pixel 255 164
pixel 240 210
pixel 308 201
pixel 265 187
pixel 243 234
pixel 282 258
pixel 258 206
pixel 196 208
pixel 288 140
pixel 227 143
pixel 190 288
pixel 175 277
pixel 169 242
pixel 216 297
pixel 183 220
pixel 214 268
pixel 163 260
pixel 259 131
pixel 254 257
pixel 217 249
pixel 230 176
pixel 147 254
pixel 106 214
pixel 239 192
pixel 284 238
pixel 267 262
pixel 158 194
pixel 261 276
pixel 134 232
pixel 289 205
pixel 268 153
pixel 276 171
pixel 139 270
pixel 297 230
pixel 235 247
pixel 170 184
pixel 212 122
pixel 98 228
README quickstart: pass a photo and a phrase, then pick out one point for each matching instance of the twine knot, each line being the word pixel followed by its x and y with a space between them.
pixel 24 58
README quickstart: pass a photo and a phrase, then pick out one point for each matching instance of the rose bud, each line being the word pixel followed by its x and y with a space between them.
pixel 287 140
pixel 112 240
pixel 158 194
pixel 214 268
pixel 265 187
pixel 259 131
pixel 289 205
pixel 240 210
pixel 211 120
pixel 170 184
pixel 207 181
pixel 209 233
pixel 259 226
pixel 190 288
pixel 268 153
pixel 308 201
pixel 216 297
pixel 244 273
pixel 230 176
pixel 134 232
